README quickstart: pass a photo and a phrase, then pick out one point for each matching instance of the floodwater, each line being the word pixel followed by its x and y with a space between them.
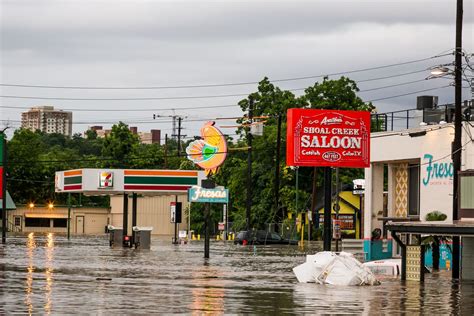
pixel 46 274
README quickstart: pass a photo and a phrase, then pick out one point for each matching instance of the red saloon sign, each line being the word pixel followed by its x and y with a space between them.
pixel 328 138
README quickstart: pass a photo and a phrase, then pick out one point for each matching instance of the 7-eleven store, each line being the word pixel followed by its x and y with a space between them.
pixel 145 193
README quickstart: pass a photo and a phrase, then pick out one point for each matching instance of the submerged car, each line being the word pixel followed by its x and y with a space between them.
pixel 261 237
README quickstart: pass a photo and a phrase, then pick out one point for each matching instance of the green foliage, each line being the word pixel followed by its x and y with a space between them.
pixel 36 156
pixel 119 145
pixel 435 216
pixel 270 101
pixel 91 134
pixel 335 95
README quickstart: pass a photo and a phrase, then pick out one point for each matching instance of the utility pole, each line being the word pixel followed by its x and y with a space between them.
pixel 456 147
pixel 249 165
pixel 179 135
pixel 174 125
pixel 3 164
pixel 166 151
pixel 277 169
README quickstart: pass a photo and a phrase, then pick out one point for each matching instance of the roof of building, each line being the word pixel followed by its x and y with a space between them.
pixel 433 228
pixel 10 204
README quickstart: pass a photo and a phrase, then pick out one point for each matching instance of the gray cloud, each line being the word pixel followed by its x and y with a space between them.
pixel 165 43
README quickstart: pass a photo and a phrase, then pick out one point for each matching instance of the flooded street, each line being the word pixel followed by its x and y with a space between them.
pixel 46 274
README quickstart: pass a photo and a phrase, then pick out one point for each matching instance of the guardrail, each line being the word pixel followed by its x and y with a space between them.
pixel 405 119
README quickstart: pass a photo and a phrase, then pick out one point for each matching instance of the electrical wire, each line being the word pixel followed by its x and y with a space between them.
pixel 223 84
pixel 190 97
pixel 405 94
pixel 129 110
pixel 182 155
pixel 172 98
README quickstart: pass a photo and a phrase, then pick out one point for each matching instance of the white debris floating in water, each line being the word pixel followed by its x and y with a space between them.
pixel 340 268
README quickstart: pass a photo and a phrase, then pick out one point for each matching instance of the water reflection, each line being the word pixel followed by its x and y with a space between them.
pixel 208 290
pixel 30 248
pixel 46 274
pixel 49 272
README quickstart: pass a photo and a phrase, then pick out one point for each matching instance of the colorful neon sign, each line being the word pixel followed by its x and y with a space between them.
pixel 210 151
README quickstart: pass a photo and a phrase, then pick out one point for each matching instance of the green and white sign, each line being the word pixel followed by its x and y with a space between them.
pixel 202 195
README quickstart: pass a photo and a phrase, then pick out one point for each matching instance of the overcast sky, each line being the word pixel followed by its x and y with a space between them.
pixel 168 43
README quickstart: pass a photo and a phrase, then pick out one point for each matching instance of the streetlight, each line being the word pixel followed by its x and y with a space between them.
pixel 31 205
pixel 440 71
pixel 50 206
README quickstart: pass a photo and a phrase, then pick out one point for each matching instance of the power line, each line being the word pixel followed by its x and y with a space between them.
pixel 221 84
pixel 190 97
pixel 200 120
pixel 392 85
pixel 13 162
pixel 405 94
pixel 152 98
pixel 130 110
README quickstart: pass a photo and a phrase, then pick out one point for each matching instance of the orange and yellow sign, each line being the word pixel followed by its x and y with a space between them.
pixel 210 151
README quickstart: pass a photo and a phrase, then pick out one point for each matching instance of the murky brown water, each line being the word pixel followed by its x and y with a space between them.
pixel 46 274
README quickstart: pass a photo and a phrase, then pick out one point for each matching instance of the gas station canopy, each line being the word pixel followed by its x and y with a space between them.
pixel 120 181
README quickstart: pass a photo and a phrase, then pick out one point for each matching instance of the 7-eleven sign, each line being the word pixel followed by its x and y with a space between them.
pixel 106 180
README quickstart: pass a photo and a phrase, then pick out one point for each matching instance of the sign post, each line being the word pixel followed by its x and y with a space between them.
pixel 330 139
pixel 207 194
pixel 224 220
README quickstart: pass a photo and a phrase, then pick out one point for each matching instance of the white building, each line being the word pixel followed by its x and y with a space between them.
pixel 415 168
pixel 48 120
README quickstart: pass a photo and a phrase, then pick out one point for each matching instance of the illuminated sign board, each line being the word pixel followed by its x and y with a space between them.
pixel 202 195
pixel 210 151
pixel 328 138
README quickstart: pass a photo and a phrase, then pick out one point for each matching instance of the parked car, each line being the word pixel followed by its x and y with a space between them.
pixel 261 237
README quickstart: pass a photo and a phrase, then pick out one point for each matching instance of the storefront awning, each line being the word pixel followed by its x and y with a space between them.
pixel 10 204
pixel 431 228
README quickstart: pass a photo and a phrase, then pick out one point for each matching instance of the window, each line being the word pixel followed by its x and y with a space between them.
pixel 60 222
pixel 17 221
pixel 466 198
pixel 275 236
pixel 37 222
pixel 413 189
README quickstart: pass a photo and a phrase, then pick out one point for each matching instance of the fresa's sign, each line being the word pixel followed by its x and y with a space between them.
pixel 202 195
pixel 328 138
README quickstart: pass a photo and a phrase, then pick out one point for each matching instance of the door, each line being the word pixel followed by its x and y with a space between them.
pixel 79 224
pixel 17 223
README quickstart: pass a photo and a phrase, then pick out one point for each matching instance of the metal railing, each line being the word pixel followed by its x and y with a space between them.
pixel 405 119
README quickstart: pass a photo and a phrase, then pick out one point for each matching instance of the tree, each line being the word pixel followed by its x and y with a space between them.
pixel 270 101
pixel 147 157
pixel 91 134
pixel 337 94
pixel 119 146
